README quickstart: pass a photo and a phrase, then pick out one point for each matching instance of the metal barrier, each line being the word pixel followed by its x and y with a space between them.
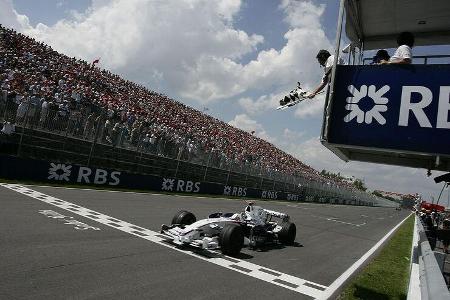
pixel 89 137
pixel 426 59
pixel 429 281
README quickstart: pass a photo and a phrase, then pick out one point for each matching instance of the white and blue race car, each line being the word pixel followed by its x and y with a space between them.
pixel 229 232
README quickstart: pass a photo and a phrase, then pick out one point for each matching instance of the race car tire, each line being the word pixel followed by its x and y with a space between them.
pixel 184 217
pixel 231 239
pixel 287 233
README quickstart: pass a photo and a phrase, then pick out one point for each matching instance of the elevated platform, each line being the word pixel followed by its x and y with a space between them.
pixel 390 114
pixel 389 157
pixel 396 115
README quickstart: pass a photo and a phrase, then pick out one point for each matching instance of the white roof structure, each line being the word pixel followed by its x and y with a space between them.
pixel 375 24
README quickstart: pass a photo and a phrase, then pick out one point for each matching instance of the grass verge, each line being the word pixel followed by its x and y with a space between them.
pixel 387 276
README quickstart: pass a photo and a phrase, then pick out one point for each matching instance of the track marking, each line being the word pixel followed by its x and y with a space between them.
pixel 286 281
pixel 334 219
pixel 67 220
pixel 341 280
pixel 152 193
pixel 348 223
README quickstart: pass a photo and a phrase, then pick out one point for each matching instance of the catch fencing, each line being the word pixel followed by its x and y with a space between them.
pixel 87 136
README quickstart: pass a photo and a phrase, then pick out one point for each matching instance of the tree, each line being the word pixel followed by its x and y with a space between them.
pixel 378 194
pixel 360 185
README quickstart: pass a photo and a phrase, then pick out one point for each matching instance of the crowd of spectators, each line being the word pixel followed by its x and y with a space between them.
pixel 71 95
pixel 437 226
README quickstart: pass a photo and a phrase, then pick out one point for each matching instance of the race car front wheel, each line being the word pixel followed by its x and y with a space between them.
pixel 231 239
pixel 184 217
pixel 287 233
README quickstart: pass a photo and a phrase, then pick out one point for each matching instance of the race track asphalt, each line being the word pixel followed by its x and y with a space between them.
pixel 42 257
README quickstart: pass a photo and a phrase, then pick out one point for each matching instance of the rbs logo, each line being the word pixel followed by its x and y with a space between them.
pixel 409 108
pixel 178 185
pixel 269 195
pixel 84 175
pixel 234 191
pixel 377 109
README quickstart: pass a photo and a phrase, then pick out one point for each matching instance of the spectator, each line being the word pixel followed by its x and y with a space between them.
pixel 446 234
pixel 43 113
pixel 22 109
pixel 8 128
pixel 116 130
pixel 403 54
pixel 382 55
pixel 89 127
pixel 66 89
pixel 107 130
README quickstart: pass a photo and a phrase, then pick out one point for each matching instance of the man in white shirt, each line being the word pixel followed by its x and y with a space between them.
pixel 403 54
pixel 44 112
pixel 8 128
pixel 326 60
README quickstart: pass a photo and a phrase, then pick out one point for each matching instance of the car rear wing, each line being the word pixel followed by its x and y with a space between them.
pixel 276 214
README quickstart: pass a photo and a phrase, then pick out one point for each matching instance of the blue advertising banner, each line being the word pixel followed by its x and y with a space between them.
pixel 401 107
pixel 18 168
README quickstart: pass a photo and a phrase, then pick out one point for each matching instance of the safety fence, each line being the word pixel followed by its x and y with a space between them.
pixel 87 136
pixel 430 268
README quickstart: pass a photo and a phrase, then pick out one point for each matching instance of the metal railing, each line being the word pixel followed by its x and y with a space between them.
pixel 428 279
pixel 426 58
pixel 90 137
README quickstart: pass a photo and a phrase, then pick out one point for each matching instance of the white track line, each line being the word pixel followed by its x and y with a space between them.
pixel 353 268
pixel 286 281
pixel 192 195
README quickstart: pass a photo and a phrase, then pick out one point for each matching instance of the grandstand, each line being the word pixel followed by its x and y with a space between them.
pixel 66 109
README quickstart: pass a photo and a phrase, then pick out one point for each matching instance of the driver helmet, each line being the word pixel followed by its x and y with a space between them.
pixel 255 213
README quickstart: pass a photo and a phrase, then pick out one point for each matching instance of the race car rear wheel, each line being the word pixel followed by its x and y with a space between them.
pixel 231 239
pixel 287 233
pixel 184 217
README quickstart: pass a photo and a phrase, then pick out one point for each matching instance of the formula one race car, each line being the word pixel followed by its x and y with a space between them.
pixel 255 227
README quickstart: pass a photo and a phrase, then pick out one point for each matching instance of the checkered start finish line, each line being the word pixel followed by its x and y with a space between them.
pixel 286 281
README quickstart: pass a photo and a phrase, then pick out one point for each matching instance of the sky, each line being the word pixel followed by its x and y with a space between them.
pixel 236 58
